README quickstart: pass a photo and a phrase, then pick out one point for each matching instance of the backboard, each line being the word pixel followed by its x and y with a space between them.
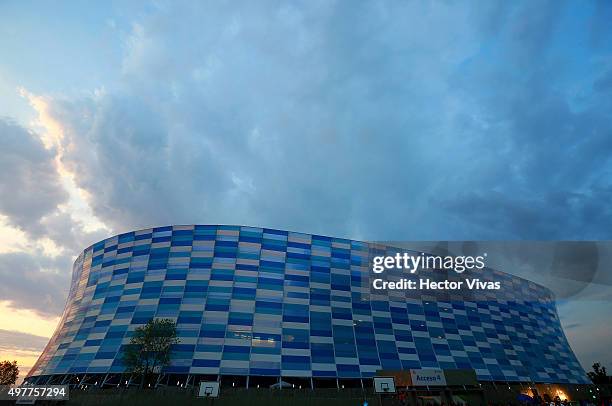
pixel 209 389
pixel 384 384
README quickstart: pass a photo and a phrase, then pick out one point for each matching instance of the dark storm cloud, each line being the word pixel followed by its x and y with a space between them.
pixel 137 167
pixel 30 187
pixel 551 134
pixel 34 282
pixel 299 118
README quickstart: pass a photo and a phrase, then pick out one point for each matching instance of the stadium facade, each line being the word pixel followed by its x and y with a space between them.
pixel 253 302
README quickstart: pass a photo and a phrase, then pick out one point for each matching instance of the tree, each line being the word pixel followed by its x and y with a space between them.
pixel 149 348
pixel 8 372
pixel 599 374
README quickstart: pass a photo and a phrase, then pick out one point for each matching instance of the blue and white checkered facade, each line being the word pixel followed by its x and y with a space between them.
pixel 253 301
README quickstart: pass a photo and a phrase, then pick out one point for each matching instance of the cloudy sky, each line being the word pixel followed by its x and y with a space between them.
pixel 370 120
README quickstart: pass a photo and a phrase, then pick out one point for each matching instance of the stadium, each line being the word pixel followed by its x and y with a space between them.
pixel 257 306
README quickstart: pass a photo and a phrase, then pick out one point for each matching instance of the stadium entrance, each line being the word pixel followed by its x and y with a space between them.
pixel 431 387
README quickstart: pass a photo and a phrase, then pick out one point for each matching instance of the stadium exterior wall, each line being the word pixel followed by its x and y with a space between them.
pixel 263 302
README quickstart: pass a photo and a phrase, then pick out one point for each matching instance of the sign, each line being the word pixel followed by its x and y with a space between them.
pixel 209 389
pixel 427 377
pixel 384 384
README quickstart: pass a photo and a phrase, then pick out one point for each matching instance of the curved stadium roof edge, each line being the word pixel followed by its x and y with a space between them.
pixel 302 233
